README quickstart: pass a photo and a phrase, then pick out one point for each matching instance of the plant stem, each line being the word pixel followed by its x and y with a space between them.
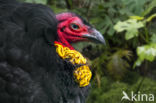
pixel 143 37
pixel 146 35
pixel 69 6
pixel 50 2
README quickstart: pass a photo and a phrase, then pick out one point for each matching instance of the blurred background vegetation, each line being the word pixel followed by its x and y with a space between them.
pixel 127 63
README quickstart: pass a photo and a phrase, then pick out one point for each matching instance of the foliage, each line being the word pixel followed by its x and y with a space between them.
pixel 149 7
pixel 111 91
pixel 117 65
pixel 136 32
pixel 131 26
pixel 146 52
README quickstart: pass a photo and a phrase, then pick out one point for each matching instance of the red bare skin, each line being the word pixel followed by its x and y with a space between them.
pixel 70 30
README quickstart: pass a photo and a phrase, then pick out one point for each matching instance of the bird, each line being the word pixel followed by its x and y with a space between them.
pixel 38 63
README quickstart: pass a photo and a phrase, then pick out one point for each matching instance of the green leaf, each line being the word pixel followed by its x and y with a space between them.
pixel 110 31
pixel 146 52
pixel 131 27
pixel 135 6
pixel 130 34
pixel 149 8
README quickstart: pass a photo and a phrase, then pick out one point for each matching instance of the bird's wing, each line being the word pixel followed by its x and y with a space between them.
pixel 28 60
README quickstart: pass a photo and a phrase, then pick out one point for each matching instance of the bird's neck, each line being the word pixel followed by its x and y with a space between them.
pixel 62 40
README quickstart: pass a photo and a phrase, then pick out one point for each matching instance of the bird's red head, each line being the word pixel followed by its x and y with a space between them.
pixel 72 28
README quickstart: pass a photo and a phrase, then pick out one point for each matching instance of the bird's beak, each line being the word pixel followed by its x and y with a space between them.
pixel 95 36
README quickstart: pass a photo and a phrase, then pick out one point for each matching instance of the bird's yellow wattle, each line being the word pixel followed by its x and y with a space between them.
pixel 81 74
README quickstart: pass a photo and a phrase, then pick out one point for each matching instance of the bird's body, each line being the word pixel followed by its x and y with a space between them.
pixel 31 71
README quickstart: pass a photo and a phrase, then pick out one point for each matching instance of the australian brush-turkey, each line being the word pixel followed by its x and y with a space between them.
pixel 38 64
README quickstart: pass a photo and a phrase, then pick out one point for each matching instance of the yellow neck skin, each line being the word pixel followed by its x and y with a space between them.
pixel 81 74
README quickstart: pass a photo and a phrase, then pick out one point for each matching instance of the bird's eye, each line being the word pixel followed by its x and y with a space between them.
pixel 75 26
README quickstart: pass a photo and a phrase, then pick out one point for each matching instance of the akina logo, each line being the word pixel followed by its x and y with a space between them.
pixel 138 97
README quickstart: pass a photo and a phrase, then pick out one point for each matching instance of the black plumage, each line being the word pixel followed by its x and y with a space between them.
pixel 30 69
